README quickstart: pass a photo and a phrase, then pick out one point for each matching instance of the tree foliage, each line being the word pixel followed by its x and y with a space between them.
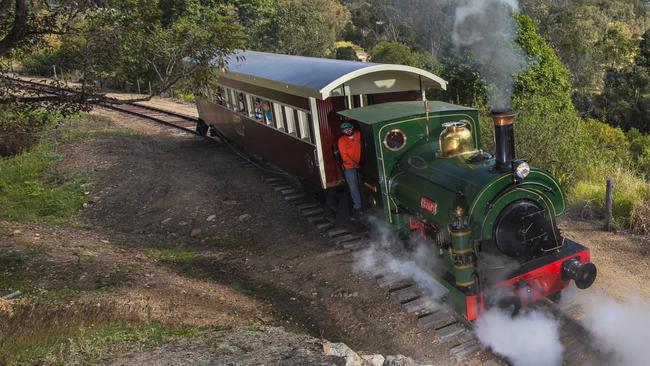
pixel 625 100
pixel 24 23
pixel 302 27
pixel 149 39
pixel 542 98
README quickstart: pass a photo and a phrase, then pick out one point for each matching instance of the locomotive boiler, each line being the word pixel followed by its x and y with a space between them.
pixel 491 217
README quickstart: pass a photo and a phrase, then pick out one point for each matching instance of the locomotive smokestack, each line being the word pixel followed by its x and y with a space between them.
pixel 504 138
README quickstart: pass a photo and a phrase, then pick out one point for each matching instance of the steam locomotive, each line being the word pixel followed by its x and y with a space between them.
pixel 491 217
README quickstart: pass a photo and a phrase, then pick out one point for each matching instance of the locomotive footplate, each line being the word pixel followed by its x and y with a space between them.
pixel 529 282
pixel 546 276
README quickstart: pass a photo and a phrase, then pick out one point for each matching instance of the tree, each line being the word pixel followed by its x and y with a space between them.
pixel 625 100
pixel 346 53
pixel 394 53
pixel 549 132
pixel 150 39
pixel 24 23
pixel 302 27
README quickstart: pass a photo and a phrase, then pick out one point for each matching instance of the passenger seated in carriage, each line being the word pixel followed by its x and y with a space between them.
pixel 267 112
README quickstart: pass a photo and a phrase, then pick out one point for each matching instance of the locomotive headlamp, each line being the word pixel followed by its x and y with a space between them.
pixel 521 169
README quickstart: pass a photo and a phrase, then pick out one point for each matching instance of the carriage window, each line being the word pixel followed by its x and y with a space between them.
pixel 290 117
pixel 303 122
pixel 233 100
pixel 266 111
pixel 241 103
pixel 226 98
pixel 277 112
pixel 250 106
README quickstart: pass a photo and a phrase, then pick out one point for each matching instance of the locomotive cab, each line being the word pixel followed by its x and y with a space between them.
pixel 491 217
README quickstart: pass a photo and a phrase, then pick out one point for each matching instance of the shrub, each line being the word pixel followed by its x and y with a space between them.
pixel 609 143
pixel 640 151
pixel 40 63
pixel 20 128
pixel 346 53
pixel 184 95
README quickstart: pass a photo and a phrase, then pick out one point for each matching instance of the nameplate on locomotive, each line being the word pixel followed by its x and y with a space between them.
pixel 429 205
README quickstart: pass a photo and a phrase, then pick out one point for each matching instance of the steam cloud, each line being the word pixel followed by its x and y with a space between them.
pixel 487 29
pixel 388 257
pixel 620 327
pixel 531 339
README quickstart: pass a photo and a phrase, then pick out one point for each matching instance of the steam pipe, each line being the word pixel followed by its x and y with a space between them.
pixel 504 139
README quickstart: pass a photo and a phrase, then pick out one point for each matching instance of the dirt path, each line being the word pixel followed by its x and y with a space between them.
pixel 622 259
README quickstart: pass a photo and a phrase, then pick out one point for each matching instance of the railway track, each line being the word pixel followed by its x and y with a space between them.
pixel 429 314
pixel 162 116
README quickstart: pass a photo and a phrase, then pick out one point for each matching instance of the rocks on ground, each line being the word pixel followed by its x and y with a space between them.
pixel 354 359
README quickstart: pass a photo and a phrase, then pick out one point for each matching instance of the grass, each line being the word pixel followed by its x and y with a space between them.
pixel 229 242
pixel 21 270
pixel 31 189
pixel 631 197
pixel 30 272
pixel 27 195
pixel 85 344
pixel 185 95
pixel 185 259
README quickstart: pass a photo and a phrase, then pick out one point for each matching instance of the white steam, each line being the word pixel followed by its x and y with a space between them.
pixel 531 339
pixel 620 327
pixel 487 29
pixel 388 257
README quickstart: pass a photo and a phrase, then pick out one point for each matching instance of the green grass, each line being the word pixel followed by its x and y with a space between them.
pixel 17 270
pixel 26 193
pixel 185 259
pixel 186 96
pixel 85 344
pixel 630 193
pixel 32 190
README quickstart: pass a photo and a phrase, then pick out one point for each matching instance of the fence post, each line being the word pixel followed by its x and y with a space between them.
pixel 138 82
pixel 150 92
pixel 54 68
pixel 608 204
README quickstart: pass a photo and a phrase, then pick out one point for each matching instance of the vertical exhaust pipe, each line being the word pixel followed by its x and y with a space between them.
pixel 504 139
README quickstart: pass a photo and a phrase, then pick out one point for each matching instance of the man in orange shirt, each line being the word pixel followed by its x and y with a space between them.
pixel 350 150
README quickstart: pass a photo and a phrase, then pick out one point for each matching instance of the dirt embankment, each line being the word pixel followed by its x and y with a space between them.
pixel 185 234
pixel 176 229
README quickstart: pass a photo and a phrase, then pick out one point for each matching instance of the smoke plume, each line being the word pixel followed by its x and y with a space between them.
pixel 620 327
pixel 530 339
pixel 487 29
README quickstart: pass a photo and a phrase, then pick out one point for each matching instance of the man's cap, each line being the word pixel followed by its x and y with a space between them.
pixel 346 125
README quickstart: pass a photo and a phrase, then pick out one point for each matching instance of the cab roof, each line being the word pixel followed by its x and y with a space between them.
pixel 378 113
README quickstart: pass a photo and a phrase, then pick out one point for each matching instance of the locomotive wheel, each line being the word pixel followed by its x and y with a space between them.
pixel 556 298
pixel 510 305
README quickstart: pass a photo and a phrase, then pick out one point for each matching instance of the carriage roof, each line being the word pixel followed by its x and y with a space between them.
pixel 323 78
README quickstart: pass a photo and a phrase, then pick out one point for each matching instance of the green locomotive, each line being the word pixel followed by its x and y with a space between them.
pixel 491 216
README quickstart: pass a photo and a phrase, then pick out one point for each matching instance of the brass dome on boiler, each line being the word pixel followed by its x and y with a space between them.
pixel 455 139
